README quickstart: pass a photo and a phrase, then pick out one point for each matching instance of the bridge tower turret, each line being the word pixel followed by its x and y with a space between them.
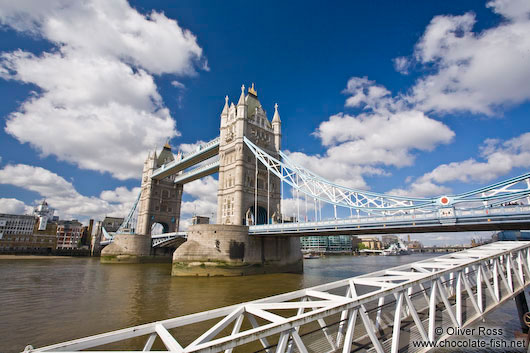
pixel 237 196
pixel 277 127
pixel 160 200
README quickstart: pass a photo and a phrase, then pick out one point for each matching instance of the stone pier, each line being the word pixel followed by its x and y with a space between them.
pixel 228 250
pixel 132 248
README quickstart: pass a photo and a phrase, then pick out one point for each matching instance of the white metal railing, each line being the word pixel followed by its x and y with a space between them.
pixel 376 220
pixel 370 308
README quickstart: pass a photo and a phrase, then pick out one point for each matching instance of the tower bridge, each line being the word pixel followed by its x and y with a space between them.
pixel 251 234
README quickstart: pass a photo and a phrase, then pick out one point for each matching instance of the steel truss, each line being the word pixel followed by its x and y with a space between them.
pixel 316 187
pixel 369 309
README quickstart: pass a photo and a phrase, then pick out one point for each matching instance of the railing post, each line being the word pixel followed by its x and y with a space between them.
pixel 459 275
pixel 479 290
pixel 432 311
pixel 397 324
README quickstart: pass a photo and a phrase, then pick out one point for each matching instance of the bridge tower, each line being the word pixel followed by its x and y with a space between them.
pixel 160 200
pixel 247 194
pixel 239 175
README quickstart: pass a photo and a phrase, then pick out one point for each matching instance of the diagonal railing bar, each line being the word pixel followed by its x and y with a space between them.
pixel 314 186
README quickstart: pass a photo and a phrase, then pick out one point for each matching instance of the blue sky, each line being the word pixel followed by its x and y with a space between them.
pixel 416 98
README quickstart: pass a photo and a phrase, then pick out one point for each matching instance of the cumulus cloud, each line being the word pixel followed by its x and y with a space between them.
pixel 204 203
pixel 14 206
pixel 479 72
pixel 402 65
pixel 291 206
pixel 497 158
pixel 62 195
pixel 463 70
pixel 109 29
pixel 387 132
pixel 97 104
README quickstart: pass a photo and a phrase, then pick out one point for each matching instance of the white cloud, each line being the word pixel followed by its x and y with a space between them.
pixel 97 105
pixel 62 195
pixel 108 29
pixel 402 64
pixel 386 133
pixel 497 159
pixel 178 84
pixel 186 148
pixel 475 72
pixel 204 193
pixel 14 206
pixel 291 206
pixel 479 72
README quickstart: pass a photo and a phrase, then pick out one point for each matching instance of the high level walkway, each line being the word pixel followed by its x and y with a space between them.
pixel 384 311
pixel 202 153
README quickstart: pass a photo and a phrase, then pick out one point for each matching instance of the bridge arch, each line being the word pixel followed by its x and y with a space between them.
pixel 159 228
pixel 250 218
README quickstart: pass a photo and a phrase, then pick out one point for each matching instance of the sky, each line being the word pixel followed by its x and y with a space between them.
pixel 420 98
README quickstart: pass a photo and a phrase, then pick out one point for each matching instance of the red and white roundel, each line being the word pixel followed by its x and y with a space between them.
pixel 444 200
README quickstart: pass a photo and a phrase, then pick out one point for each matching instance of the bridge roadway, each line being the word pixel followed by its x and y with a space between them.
pixel 384 311
pixel 493 218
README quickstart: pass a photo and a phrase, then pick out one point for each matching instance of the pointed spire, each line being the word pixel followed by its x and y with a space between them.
pixel 225 109
pixel 251 90
pixel 276 117
pixel 242 97
pixel 167 145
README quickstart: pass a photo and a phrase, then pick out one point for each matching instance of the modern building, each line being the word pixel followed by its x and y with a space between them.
pixel 19 225
pixel 44 213
pixel 330 244
pixel 314 244
pixel 23 234
pixel 69 234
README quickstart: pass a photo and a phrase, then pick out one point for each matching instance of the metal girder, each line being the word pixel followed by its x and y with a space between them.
pixel 314 186
pixel 197 173
pixel 493 218
pixel 279 330
pixel 203 152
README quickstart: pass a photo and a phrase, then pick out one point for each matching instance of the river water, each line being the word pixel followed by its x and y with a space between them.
pixel 46 301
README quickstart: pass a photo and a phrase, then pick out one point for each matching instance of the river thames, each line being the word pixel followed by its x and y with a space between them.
pixel 46 301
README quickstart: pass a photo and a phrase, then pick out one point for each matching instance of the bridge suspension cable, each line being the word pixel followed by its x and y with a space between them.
pixel 306 182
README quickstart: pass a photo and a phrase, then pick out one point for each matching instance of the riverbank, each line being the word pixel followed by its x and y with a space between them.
pixel 32 257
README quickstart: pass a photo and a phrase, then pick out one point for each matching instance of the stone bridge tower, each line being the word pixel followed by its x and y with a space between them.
pixel 226 248
pixel 238 175
pixel 160 200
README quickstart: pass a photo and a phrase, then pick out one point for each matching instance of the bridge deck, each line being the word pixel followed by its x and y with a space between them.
pixel 495 218
pixel 367 311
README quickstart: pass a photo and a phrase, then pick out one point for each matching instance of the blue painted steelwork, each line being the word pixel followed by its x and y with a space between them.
pixel 162 239
pixel 197 173
pixel 129 223
pixel 202 153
